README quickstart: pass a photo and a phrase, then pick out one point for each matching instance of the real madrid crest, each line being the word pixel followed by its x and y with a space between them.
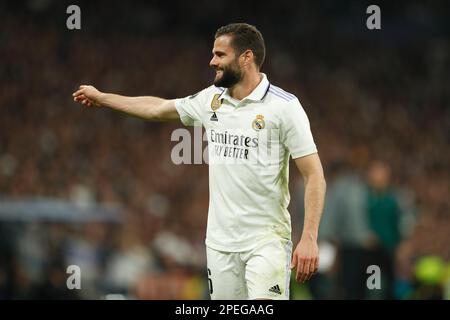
pixel 258 123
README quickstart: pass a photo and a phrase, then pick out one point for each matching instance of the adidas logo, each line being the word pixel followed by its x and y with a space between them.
pixel 214 117
pixel 275 289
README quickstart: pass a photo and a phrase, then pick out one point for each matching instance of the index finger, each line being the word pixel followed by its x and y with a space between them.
pixel 78 92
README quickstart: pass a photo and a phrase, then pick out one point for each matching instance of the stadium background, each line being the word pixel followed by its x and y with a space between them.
pixel 98 189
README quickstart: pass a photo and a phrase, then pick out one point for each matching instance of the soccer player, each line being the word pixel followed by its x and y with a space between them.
pixel 253 127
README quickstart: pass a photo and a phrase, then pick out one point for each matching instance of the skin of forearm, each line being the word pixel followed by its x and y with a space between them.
pixel 315 188
pixel 142 107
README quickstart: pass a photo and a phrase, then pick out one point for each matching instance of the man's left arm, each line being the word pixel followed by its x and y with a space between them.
pixel 306 254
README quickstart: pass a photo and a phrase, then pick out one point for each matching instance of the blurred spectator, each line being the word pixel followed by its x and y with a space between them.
pixel 129 263
pixel 345 225
pixel 371 95
pixel 87 251
pixel 384 221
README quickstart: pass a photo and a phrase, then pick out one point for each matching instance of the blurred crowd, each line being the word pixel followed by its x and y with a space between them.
pixel 378 111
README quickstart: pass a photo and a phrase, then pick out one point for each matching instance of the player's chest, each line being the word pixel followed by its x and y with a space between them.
pixel 252 117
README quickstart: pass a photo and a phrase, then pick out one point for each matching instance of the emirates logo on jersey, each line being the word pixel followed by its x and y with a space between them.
pixel 259 123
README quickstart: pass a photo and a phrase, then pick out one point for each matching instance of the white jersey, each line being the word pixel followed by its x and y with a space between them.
pixel 249 144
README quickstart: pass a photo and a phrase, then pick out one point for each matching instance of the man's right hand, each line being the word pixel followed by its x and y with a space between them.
pixel 146 107
pixel 87 95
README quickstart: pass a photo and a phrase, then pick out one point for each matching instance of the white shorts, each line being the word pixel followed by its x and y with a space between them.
pixel 261 273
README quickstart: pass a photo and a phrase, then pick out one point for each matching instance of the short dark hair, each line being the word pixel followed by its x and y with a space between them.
pixel 245 36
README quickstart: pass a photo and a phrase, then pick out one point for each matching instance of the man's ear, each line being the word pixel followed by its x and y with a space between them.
pixel 247 57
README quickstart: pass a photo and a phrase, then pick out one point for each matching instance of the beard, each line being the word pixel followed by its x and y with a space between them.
pixel 231 75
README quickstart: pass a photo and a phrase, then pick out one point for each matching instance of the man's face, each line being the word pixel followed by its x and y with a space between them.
pixel 226 63
pixel 379 175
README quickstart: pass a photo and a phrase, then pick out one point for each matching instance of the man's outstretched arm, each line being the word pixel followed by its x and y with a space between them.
pixel 149 108
pixel 306 254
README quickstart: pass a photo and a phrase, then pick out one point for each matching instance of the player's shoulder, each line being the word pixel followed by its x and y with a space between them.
pixel 282 102
pixel 281 96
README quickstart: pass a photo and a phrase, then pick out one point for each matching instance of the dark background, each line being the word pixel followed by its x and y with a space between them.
pixel 98 189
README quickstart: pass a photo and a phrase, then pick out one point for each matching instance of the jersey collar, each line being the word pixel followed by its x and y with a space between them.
pixel 256 95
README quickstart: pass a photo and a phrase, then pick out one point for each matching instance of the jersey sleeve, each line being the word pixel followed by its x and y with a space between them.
pixel 191 108
pixel 296 134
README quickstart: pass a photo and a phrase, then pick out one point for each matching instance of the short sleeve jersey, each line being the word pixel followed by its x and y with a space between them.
pixel 249 144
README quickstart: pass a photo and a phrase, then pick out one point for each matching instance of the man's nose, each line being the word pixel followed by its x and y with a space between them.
pixel 213 62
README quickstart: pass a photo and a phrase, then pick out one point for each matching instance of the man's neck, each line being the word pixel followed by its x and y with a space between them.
pixel 246 85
